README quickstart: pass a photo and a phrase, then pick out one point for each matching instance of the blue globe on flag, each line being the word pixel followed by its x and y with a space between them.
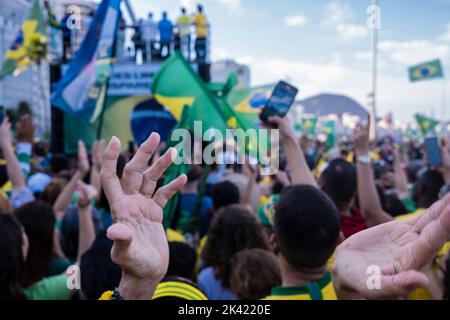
pixel 150 116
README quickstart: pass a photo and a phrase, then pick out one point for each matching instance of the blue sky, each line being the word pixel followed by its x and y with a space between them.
pixel 324 46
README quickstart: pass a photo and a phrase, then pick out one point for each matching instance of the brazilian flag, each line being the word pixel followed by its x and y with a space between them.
pixel 309 125
pixel 427 125
pixel 426 71
pixel 330 130
pixel 29 46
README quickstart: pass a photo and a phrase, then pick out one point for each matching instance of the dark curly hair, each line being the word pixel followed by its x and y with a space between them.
pixel 232 230
pixel 12 262
pixel 38 220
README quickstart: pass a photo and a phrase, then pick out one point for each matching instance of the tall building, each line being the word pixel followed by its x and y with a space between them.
pixel 31 86
pixel 221 70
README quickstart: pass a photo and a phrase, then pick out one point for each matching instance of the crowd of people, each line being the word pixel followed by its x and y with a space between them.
pixel 317 230
pixel 157 40
pixel 153 40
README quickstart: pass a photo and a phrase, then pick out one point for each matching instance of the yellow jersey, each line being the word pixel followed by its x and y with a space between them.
pixel 201 24
pixel 322 289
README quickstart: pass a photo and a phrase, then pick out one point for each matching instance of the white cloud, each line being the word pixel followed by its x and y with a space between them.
pixel 415 51
pixel 446 35
pixel 338 16
pixel 190 5
pixel 351 31
pixel 297 20
pixel 231 4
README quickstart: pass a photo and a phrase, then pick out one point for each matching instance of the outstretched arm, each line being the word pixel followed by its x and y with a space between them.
pixel 140 244
pixel 369 201
pixel 401 182
pixel 13 168
pixel 97 153
pixel 301 174
pixel 65 197
pixel 86 232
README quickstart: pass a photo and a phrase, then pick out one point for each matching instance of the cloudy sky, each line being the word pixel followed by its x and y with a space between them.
pixel 323 46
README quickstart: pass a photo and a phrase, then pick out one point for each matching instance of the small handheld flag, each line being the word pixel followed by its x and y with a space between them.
pixel 426 71
pixel 427 125
pixel 30 45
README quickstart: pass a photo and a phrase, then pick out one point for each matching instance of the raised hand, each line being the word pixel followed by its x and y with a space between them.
pixel 361 136
pixel 285 128
pixel 399 249
pixel 140 243
pixel 5 133
pixel 83 161
pixel 25 129
pixel 98 148
pixel 86 193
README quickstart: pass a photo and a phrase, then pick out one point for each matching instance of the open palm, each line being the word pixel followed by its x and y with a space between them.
pixel 399 249
pixel 140 244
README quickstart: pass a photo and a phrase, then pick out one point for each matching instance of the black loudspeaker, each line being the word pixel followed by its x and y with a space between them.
pixel 204 71
pixel 57 130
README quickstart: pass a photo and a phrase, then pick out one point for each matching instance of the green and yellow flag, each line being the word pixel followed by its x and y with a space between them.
pixel 330 130
pixel 177 86
pixel 310 125
pixel 30 45
pixel 427 125
pixel 426 71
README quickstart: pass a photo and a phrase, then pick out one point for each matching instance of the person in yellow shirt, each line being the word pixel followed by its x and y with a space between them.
pixel 184 30
pixel 201 27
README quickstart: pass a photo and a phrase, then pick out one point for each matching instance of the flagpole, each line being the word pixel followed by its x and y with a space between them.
pixel 102 114
pixel 43 94
pixel 374 60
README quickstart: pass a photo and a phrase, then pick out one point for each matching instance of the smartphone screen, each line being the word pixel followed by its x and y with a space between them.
pixel 280 102
pixel 2 114
pixel 433 152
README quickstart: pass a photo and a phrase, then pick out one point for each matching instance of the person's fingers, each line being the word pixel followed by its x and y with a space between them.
pixel 431 214
pixel 122 236
pixel 399 285
pixel 132 174
pixel 82 153
pixel 119 232
pixel 155 172
pixel 165 193
pixel 110 180
pixel 432 238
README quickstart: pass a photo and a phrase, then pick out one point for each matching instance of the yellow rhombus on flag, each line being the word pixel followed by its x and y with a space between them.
pixel 29 46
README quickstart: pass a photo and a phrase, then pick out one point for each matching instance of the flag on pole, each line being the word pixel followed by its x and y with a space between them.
pixel 310 125
pixel 30 45
pixel 330 130
pixel 82 90
pixel 177 85
pixel 425 71
pixel 427 125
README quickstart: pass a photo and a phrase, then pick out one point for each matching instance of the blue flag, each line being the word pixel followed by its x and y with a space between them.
pixel 426 71
pixel 82 89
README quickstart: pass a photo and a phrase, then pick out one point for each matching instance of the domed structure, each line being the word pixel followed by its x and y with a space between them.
pixel 327 104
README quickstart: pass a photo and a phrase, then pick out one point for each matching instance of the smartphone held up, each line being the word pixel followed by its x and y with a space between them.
pixel 279 104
